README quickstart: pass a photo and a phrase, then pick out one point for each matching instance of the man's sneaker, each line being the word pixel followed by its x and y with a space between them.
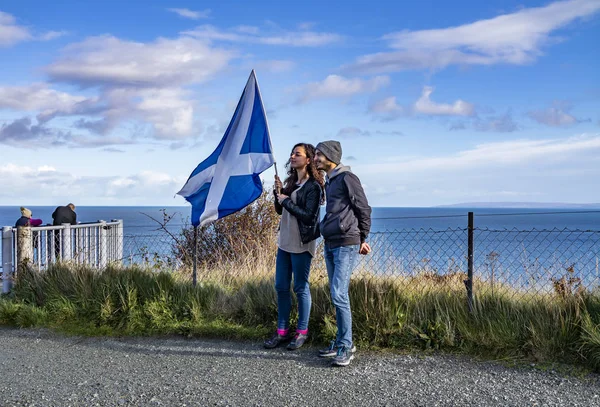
pixel 332 350
pixel 343 357
pixel 276 340
pixel 297 342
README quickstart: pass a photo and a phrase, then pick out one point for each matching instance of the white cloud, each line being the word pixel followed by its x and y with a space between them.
pixel 57 185
pixel 555 116
pixel 389 109
pixel 25 133
pixel 190 14
pixel 390 133
pixel 99 126
pixel 517 38
pixel 52 35
pixel 500 124
pixel 113 150
pixel 289 38
pixel 40 98
pixel 534 170
pixel 170 112
pixel 143 183
pixel 155 178
pixel 139 82
pixel 504 154
pixel 355 132
pixel 461 125
pixel 496 124
pixel 16 181
pixel 109 61
pixel 335 86
pixel 306 25
pixel 11 170
pixel 351 132
pixel 275 66
pixel 121 182
pixel 426 106
pixel 10 32
pixel 247 29
pixel 80 141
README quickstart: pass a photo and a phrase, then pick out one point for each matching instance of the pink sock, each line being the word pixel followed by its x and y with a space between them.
pixel 302 331
pixel 282 332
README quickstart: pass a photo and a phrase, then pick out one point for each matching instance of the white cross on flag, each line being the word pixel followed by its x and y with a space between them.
pixel 228 180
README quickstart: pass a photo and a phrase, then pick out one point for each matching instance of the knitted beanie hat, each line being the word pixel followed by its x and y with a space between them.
pixel 332 150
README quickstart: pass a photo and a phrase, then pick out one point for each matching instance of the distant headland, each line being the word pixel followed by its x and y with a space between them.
pixel 532 205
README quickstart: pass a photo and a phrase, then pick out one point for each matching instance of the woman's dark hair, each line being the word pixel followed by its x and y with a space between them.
pixel 290 182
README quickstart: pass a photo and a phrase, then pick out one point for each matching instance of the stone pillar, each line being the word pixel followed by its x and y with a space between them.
pixel 24 247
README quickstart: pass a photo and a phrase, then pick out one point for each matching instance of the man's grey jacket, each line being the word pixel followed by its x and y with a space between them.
pixel 348 216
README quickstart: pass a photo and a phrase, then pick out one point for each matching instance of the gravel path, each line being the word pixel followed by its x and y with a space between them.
pixel 41 368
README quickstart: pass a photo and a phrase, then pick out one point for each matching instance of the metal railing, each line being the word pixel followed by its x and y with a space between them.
pixel 92 244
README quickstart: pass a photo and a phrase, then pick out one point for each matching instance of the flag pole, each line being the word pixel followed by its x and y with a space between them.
pixel 194 278
pixel 266 121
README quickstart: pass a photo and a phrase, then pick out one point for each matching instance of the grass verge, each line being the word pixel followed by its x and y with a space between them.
pixel 399 313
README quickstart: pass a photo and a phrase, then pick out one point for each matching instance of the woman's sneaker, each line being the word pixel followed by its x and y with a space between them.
pixel 332 350
pixel 276 340
pixel 343 357
pixel 297 342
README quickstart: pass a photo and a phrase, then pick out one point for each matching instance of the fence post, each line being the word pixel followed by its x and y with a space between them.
pixel 7 259
pixel 119 242
pixel 67 248
pixel 24 247
pixel 469 280
pixel 102 243
pixel 194 275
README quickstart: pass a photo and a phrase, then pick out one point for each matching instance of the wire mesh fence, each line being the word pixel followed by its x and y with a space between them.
pixel 505 261
pixel 555 261
pixel 515 262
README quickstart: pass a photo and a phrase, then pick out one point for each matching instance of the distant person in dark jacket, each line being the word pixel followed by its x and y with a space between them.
pixel 344 228
pixel 64 214
pixel 26 219
pixel 297 200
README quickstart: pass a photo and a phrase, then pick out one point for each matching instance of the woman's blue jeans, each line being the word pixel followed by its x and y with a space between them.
pixel 298 266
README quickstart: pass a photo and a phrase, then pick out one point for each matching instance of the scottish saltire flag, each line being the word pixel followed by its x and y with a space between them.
pixel 228 180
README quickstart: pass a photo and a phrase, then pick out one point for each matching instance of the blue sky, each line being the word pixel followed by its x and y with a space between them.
pixel 434 102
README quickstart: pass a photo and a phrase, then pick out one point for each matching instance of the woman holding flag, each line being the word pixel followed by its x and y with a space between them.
pixel 297 200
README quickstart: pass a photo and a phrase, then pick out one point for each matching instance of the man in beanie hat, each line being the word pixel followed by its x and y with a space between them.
pixel 345 228
pixel 25 219
pixel 332 150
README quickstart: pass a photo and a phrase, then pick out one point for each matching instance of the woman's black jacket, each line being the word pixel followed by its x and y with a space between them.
pixel 305 210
